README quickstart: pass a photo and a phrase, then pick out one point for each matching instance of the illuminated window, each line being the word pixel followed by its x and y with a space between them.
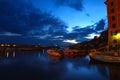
pixel 114 33
pixel 112 3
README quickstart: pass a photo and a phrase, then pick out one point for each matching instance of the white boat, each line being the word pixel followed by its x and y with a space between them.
pixel 105 57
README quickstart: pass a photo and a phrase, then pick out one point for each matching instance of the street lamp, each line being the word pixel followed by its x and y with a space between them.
pixel 117 37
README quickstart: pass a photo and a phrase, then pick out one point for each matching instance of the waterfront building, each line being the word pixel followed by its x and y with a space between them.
pixel 113 12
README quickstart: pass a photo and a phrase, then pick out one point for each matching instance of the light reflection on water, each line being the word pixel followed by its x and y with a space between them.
pixel 40 66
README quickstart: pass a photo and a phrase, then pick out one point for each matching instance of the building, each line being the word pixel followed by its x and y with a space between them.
pixel 113 12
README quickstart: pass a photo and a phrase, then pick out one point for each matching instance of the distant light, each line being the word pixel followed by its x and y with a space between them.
pixel 71 41
pixel 2 44
pixel 14 45
pixel 91 36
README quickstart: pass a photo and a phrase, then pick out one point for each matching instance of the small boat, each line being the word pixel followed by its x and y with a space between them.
pixel 54 52
pixel 104 57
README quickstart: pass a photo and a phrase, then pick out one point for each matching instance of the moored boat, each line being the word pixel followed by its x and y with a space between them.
pixel 104 57
pixel 54 52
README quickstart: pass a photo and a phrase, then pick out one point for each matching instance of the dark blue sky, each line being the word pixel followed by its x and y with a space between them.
pixel 50 22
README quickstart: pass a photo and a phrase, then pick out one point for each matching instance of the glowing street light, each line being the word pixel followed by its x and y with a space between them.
pixel 2 45
pixel 8 45
pixel 117 36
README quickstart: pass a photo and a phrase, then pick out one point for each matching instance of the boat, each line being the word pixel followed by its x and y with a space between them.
pixel 54 52
pixel 74 53
pixel 105 57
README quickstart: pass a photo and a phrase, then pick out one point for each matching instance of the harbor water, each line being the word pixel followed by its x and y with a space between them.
pixel 41 66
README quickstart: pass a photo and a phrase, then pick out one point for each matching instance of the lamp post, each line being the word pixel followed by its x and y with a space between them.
pixel 117 36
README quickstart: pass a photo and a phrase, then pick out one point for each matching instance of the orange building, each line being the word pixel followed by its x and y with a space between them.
pixel 113 12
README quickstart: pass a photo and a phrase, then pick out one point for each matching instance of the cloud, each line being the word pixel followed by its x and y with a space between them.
pixel 92 35
pixel 21 17
pixel 100 25
pixel 87 14
pixel 9 34
pixel 88 32
pixel 71 41
pixel 22 23
pixel 75 4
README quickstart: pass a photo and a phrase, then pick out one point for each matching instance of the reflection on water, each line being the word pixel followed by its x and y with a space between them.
pixel 40 66
pixel 114 72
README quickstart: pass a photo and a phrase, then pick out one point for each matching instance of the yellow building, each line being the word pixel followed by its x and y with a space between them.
pixel 113 12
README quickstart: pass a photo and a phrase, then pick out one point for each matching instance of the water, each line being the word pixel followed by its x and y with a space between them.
pixel 40 66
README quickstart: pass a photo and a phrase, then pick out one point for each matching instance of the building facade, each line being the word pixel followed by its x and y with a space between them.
pixel 113 12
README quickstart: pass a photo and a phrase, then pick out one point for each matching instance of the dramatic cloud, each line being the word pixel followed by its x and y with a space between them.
pixel 75 4
pixel 86 33
pixel 21 22
pixel 20 17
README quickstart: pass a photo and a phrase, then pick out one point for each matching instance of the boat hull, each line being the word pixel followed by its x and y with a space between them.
pixel 98 59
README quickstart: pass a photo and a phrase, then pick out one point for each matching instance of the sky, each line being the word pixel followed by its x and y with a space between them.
pixel 51 22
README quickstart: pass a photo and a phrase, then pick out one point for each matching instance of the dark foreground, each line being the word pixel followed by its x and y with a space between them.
pixel 40 66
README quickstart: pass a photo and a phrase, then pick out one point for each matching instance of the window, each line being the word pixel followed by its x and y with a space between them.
pixel 113 25
pixel 112 3
pixel 112 10
pixel 114 41
pixel 114 33
pixel 113 17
